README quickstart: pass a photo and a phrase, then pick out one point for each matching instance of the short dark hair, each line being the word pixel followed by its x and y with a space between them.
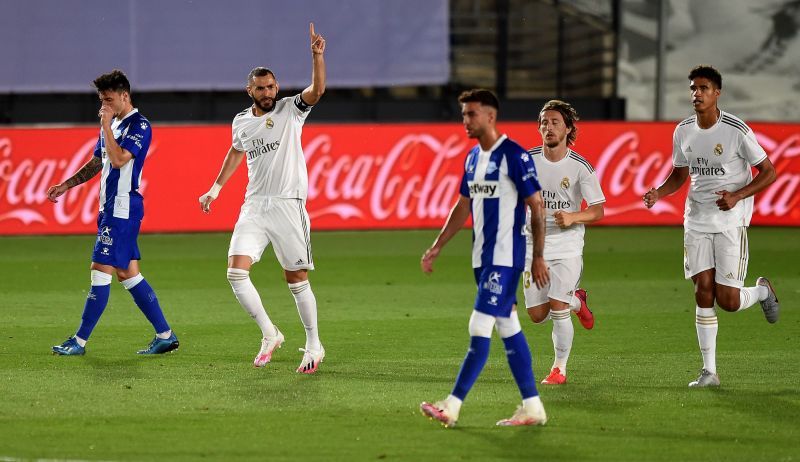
pixel 480 95
pixel 114 81
pixel 259 72
pixel 569 114
pixel 707 72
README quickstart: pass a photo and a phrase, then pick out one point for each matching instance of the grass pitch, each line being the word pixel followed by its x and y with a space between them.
pixel 394 337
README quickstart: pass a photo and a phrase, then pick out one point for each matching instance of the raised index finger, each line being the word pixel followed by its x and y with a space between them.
pixel 311 30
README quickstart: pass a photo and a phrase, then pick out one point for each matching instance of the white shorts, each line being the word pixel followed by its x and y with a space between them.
pixel 565 275
pixel 726 252
pixel 284 223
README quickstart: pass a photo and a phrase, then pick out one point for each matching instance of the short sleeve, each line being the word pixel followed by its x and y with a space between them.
pixel 98 148
pixel 752 152
pixel 678 157
pixel 463 189
pixel 300 107
pixel 522 172
pixel 137 137
pixel 590 188
pixel 236 142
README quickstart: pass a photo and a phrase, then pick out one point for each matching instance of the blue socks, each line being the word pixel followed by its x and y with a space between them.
pixel 472 366
pixel 96 301
pixel 146 300
pixel 519 359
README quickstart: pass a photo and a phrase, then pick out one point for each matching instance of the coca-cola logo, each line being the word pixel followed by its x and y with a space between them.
pixel 24 184
pixel 417 177
pixel 626 174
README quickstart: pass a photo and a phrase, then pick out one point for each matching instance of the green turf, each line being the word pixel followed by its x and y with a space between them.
pixel 394 337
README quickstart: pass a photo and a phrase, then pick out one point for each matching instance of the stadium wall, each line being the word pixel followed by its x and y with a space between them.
pixel 361 176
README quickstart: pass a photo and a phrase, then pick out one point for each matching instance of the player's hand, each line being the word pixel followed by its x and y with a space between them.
pixel 205 203
pixel 427 260
pixel 650 198
pixel 207 198
pixel 317 41
pixel 563 219
pixel 540 273
pixel 727 200
pixel 106 115
pixel 56 190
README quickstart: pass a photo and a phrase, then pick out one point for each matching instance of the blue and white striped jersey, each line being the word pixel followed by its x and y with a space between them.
pixel 497 182
pixel 119 193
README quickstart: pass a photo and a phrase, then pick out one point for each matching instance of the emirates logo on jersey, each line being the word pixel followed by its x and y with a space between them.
pixel 269 123
pixel 565 183
pixel 718 150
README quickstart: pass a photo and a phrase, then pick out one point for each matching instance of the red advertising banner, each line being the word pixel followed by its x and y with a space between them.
pixel 361 176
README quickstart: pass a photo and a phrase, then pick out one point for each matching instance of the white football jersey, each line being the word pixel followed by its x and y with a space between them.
pixel 719 158
pixel 565 185
pixel 276 166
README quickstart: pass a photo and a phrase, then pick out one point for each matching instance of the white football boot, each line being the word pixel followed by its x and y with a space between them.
pixel 268 345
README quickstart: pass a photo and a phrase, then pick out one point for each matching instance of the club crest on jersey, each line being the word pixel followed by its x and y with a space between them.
pixel 718 150
pixel 269 123
pixel 105 236
pixel 565 183
pixel 491 168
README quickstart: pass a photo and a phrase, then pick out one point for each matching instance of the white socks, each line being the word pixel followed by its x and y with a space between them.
pixel 453 404
pixel 707 327
pixel 563 333
pixel 749 296
pixel 248 297
pixel 574 304
pixel 307 308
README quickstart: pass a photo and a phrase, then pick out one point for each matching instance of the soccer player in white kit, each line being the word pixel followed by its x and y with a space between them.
pixel 717 150
pixel 567 180
pixel 267 134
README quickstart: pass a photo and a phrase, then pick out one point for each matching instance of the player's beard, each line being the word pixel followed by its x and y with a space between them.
pixel 267 105
pixel 553 141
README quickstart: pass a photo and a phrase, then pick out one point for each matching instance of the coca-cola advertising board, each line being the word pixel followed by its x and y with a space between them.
pixel 361 176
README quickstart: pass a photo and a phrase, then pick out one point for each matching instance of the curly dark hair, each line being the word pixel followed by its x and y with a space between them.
pixel 114 81
pixel 569 114
pixel 707 72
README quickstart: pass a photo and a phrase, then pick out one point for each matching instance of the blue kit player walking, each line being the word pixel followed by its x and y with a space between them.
pixel 499 182
pixel 119 154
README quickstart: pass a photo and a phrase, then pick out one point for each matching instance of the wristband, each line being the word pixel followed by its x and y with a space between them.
pixel 213 192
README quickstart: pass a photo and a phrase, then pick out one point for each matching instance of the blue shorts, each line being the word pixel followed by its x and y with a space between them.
pixel 497 290
pixel 116 241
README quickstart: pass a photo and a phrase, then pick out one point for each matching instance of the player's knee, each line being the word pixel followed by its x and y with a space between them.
pixel 294 277
pixel 727 302
pixel 508 327
pixel 236 275
pixel 481 324
pixel 100 278
pixel 539 314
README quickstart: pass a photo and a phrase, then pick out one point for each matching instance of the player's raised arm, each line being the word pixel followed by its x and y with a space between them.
pixel 313 93
pixel 229 165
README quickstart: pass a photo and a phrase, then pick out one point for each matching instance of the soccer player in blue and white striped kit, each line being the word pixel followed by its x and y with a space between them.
pixel 119 154
pixel 499 182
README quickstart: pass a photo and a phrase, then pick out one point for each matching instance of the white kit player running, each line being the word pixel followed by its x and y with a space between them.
pixel 567 180
pixel 717 150
pixel 268 135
